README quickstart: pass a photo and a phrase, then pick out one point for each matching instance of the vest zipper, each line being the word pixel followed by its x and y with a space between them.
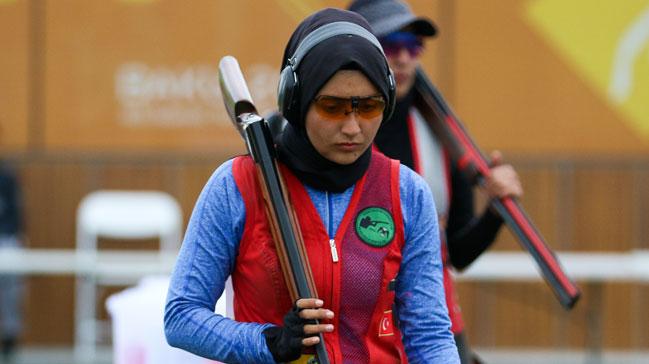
pixel 332 269
pixel 334 251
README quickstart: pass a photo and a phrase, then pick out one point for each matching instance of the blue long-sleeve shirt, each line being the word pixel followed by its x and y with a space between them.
pixel 209 251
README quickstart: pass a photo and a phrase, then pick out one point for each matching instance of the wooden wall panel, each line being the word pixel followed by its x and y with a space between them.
pixel 541 201
pixel 15 82
pixel 527 315
pixel 476 307
pixel 641 208
pixel 135 176
pixel 52 191
pixel 617 322
pixel 640 322
pixel 604 209
pixel 517 303
pixel 49 311
pixel 600 210
pixel 508 314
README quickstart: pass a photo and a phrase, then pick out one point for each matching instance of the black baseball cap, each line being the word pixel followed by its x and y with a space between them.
pixel 387 16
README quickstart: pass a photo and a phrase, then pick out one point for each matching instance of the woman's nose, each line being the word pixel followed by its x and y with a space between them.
pixel 350 125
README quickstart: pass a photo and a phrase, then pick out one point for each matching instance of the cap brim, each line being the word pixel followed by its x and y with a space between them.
pixel 418 25
pixel 422 26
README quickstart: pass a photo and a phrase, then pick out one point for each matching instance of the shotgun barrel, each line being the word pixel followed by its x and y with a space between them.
pixel 446 126
pixel 284 227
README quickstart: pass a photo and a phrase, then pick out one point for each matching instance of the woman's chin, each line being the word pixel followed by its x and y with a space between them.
pixel 344 158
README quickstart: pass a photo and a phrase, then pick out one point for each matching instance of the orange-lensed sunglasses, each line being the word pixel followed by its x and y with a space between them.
pixel 337 108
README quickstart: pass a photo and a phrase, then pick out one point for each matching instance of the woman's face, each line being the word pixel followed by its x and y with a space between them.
pixel 344 138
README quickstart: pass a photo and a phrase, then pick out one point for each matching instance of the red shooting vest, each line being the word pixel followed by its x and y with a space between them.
pixel 355 287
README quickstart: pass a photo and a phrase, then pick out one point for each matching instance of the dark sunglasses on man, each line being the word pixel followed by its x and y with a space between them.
pixel 394 42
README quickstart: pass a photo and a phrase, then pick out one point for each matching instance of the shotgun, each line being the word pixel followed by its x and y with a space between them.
pixel 471 161
pixel 281 215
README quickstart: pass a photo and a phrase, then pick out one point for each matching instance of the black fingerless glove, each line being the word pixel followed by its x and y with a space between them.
pixel 285 343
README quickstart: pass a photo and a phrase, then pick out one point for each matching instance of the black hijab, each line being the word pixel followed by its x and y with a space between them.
pixel 316 68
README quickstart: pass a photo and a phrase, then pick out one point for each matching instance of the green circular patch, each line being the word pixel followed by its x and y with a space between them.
pixel 375 226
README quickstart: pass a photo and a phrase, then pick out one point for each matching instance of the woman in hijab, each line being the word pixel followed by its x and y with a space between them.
pixel 368 224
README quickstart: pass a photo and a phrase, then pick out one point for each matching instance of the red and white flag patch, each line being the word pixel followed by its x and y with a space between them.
pixel 385 326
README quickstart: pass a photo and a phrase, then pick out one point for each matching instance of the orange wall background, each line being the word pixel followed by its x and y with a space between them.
pixel 133 75
pixel 14 76
pixel 518 90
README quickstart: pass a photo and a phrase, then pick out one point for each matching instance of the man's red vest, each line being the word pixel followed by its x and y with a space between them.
pixel 452 300
pixel 352 273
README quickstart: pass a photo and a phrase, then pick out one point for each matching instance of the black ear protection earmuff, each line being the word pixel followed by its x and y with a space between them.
pixel 288 82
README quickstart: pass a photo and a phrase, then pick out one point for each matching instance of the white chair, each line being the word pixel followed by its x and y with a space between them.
pixel 118 215
pixel 137 316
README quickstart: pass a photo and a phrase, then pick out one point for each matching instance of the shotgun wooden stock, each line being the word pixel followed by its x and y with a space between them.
pixel 444 123
pixel 281 215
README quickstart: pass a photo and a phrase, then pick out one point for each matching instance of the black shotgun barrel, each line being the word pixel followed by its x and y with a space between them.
pixel 255 131
pixel 449 129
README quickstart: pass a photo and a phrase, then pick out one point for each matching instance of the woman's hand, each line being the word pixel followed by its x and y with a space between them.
pixel 311 309
pixel 299 330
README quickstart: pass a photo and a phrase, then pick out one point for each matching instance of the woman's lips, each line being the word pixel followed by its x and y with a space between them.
pixel 348 147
